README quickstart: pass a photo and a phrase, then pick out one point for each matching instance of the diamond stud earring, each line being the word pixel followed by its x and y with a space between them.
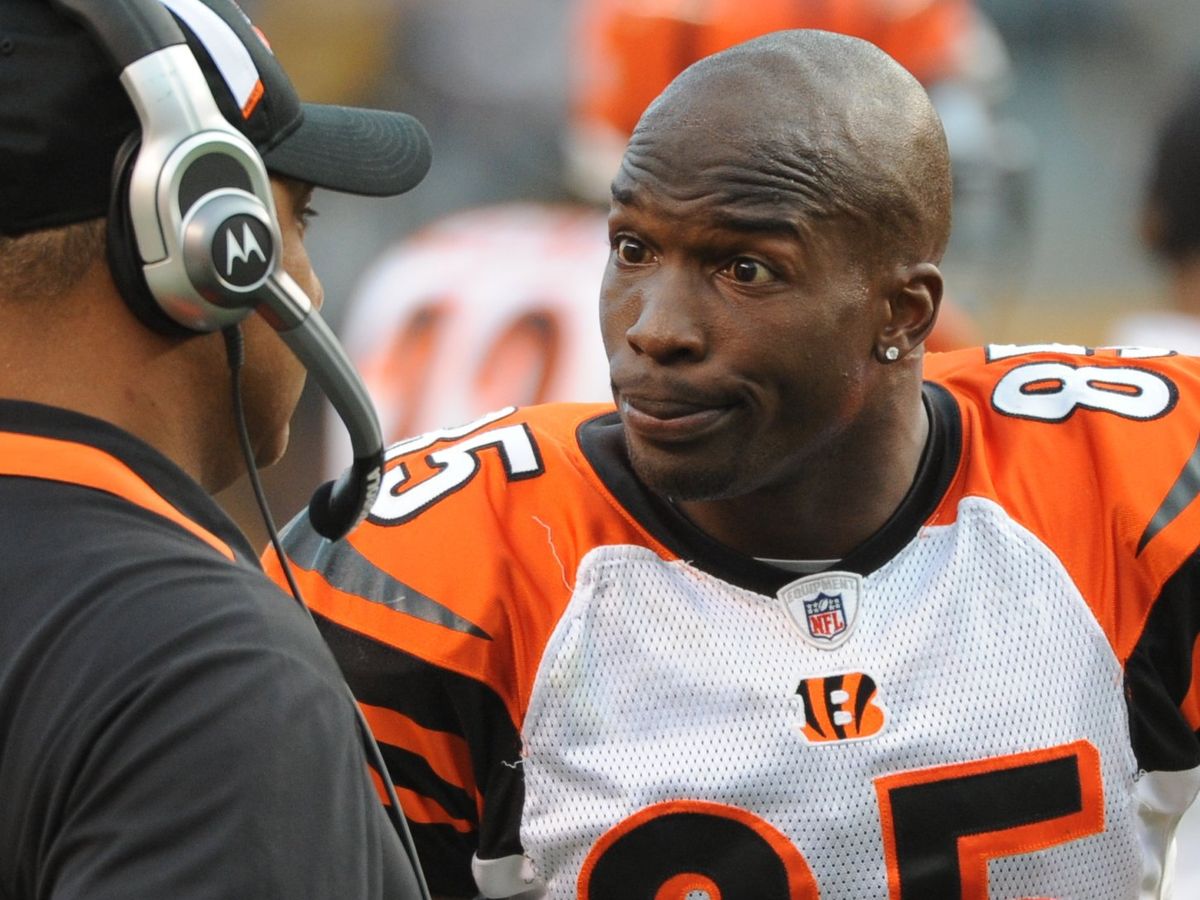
pixel 891 354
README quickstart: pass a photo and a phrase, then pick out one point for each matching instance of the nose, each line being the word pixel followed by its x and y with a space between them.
pixel 316 292
pixel 669 327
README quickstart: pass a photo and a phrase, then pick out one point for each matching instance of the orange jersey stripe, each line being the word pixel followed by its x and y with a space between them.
pixel 419 808
pixel 446 753
pixel 424 811
pixel 31 456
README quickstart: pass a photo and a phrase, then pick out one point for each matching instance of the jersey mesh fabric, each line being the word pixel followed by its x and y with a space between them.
pixel 661 681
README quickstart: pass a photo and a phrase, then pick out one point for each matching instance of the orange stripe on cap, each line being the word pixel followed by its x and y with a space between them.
pixel 50 459
pixel 224 46
pixel 252 101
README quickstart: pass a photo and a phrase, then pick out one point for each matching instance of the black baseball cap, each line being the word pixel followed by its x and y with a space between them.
pixel 64 114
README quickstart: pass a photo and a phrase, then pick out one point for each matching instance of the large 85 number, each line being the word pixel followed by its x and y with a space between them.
pixel 940 827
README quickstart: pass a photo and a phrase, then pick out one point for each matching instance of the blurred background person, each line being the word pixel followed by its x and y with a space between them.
pixel 1170 232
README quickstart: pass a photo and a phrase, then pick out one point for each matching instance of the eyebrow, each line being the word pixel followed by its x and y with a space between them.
pixel 748 223
pixel 757 224
pixel 624 196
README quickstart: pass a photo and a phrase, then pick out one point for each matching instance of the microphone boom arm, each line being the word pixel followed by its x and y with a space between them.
pixel 338 506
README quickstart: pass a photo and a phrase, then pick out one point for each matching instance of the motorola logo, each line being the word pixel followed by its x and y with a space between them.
pixel 242 251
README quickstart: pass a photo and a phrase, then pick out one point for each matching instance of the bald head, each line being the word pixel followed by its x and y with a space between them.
pixel 827 120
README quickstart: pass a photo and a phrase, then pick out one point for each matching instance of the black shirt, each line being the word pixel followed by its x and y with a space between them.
pixel 171 724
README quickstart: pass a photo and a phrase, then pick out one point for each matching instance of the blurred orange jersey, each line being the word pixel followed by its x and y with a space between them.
pixel 626 51
pixel 992 697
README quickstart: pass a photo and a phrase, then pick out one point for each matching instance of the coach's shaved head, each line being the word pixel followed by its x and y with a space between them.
pixel 829 120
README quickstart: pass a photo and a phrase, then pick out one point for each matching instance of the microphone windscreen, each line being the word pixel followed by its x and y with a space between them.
pixel 326 521
pixel 337 506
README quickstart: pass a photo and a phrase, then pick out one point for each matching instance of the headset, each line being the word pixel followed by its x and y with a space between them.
pixel 194 241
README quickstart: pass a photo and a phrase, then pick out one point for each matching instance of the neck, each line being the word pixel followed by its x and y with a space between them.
pixel 85 352
pixel 844 492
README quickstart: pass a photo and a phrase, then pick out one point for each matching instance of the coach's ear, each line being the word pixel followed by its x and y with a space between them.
pixel 913 300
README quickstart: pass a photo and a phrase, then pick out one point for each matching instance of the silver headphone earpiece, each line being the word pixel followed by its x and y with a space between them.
pixel 200 201
pixel 228 251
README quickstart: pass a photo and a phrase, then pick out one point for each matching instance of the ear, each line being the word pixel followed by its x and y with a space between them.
pixel 912 305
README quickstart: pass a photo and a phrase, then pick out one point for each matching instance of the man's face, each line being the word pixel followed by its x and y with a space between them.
pixel 739 337
pixel 273 377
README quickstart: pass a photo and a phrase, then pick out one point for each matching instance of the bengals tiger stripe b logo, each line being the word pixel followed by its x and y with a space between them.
pixel 840 708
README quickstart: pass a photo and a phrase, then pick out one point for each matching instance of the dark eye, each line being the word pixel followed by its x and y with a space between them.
pixel 630 251
pixel 748 271
pixel 307 214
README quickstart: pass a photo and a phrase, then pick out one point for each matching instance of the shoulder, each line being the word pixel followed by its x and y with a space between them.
pixel 1107 391
pixel 993 361
pixel 470 498
pixel 1092 451
pixel 472 548
pixel 117 585
pixel 1056 407
pixel 152 664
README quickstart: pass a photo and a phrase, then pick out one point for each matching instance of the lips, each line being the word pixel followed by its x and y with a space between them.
pixel 671 419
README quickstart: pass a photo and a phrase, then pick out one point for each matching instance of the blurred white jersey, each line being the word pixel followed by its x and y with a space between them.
pixel 485 308
pixel 1169 329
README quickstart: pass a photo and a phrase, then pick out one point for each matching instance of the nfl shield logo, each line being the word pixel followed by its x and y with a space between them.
pixel 826 616
pixel 824 607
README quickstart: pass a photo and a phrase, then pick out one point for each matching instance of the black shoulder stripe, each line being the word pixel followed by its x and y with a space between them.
pixel 413 772
pixel 433 697
pixel 382 675
pixel 1185 489
pixel 441 700
pixel 1158 675
pixel 349 571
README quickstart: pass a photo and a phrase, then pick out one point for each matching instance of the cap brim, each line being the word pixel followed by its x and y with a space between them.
pixel 356 151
